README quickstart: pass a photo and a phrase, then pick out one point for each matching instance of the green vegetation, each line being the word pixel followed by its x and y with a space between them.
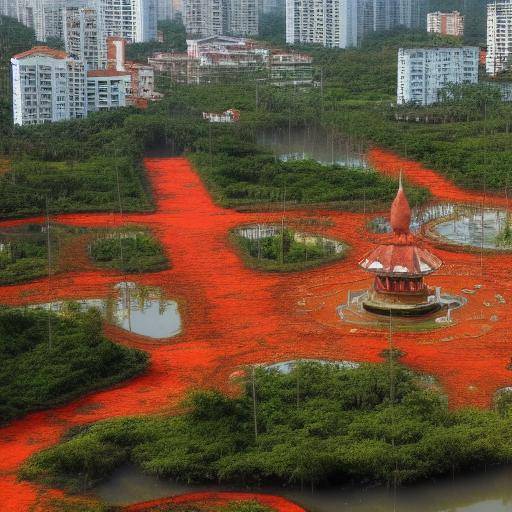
pixel 77 165
pixel 23 258
pixel 39 370
pixel 318 424
pixel 175 40
pixel 129 250
pixel 287 250
pixel 240 173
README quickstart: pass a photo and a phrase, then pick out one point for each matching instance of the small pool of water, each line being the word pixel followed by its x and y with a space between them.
pixel 137 309
pixel 313 143
pixel 420 215
pixel 260 231
pixel 489 491
pixel 475 228
pixel 287 367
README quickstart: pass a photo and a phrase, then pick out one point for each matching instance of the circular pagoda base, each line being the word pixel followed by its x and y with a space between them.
pixel 399 309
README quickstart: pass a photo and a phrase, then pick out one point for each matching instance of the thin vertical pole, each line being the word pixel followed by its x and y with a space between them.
pixel 254 403
pixel 49 252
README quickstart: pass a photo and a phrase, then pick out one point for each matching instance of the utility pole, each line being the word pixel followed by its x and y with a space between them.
pixel 49 252
pixel 254 408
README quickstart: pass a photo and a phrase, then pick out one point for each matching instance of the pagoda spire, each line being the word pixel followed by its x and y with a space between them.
pixel 400 212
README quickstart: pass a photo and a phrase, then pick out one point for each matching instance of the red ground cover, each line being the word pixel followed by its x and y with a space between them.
pixel 235 316
pixel 212 499
pixel 441 188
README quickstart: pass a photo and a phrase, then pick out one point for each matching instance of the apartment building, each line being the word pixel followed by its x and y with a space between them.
pixel 223 59
pixel 423 72
pixel 107 89
pixel 344 23
pixel 8 8
pixel 142 76
pixel 164 10
pixel 48 86
pixel 84 36
pixel 133 20
pixel 242 17
pixel 448 23
pixel 331 23
pixel 499 36
pixel 204 18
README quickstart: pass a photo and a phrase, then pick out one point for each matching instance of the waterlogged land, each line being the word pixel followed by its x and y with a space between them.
pixel 233 316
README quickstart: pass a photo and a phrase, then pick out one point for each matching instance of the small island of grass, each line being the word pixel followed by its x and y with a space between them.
pixel 268 247
pixel 39 370
pixel 133 250
pixel 319 424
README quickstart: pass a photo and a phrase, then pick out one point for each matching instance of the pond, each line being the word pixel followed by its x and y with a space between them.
pixel 420 215
pixel 255 232
pixel 476 228
pixel 313 143
pixel 137 309
pixel 489 491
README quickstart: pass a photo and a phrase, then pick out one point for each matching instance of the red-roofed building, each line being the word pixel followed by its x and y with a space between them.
pixel 48 86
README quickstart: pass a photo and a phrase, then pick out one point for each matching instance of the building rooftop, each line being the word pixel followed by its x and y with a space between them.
pixel 44 51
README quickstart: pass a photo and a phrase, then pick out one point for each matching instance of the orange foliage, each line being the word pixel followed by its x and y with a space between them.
pixel 234 316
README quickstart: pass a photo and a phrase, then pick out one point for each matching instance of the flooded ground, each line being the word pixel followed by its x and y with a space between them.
pixel 260 231
pixel 136 309
pixel 476 228
pixel 489 491
pixel 314 143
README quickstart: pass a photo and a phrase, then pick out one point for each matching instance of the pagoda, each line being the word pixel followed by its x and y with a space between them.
pixel 399 266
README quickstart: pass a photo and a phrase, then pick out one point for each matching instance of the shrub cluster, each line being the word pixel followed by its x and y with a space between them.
pixel 318 424
pixel 129 251
pixel 39 369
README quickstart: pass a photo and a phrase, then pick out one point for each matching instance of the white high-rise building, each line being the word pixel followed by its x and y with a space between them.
pixel 242 17
pixel 48 86
pixel 204 18
pixel 84 36
pixel 133 20
pixel 423 72
pixel 331 23
pixel 164 10
pixel 8 8
pixel 449 23
pixel 499 36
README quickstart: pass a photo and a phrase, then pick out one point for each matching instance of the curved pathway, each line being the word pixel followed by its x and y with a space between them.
pixel 234 316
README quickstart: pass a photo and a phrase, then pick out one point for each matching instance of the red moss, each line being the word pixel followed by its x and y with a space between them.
pixel 216 499
pixel 235 316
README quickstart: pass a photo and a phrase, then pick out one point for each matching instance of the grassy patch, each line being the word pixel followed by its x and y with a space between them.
pixel 287 251
pixel 38 371
pixel 129 250
pixel 318 424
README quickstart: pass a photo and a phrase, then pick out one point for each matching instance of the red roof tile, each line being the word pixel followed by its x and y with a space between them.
pixel 42 50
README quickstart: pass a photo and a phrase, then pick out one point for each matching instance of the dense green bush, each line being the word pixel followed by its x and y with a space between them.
pixel 319 424
pixel 130 251
pixel 285 251
pixel 38 371
pixel 240 173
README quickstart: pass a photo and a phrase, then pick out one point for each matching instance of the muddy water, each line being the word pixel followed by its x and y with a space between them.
pixel 489 491
pixel 313 143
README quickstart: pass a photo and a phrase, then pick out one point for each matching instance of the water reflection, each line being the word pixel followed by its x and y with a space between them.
pixel 313 143
pixel 141 310
pixel 477 228
pixel 489 491
pixel 255 232
pixel 287 367
pixel 420 215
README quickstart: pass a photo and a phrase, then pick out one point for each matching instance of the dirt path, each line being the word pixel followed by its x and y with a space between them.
pixel 234 316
